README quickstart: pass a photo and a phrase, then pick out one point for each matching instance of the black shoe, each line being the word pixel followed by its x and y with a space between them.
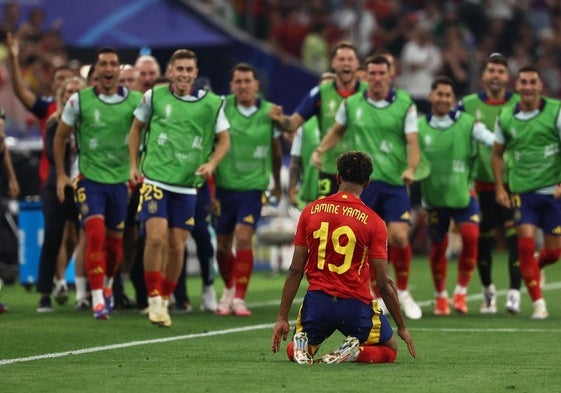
pixel 125 303
pixel 44 305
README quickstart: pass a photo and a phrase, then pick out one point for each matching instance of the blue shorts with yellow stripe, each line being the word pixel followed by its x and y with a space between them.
pixel 236 207
pixel 178 209
pixel 321 314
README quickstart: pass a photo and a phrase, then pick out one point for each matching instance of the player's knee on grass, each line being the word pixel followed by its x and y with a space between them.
pixel 376 354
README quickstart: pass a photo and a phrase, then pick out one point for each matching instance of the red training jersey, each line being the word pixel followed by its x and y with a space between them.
pixel 342 234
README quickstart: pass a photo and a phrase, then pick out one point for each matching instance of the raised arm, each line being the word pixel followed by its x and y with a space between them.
pixel 24 94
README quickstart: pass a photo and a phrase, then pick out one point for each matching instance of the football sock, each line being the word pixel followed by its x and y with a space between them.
pixel 243 267
pixel 290 351
pixel 95 254
pixel 376 354
pixel 401 259
pixel 438 263
pixel 515 278
pixel 114 251
pixel 529 267
pixel 153 283
pixel 168 286
pixel 468 256
pixel 548 257
pixel 226 267
pixel 485 257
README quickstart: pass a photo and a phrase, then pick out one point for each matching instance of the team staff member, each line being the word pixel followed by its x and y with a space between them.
pixel 241 178
pixel 101 117
pixel 485 106
pixel 322 101
pixel 447 139
pixel 530 133
pixel 178 157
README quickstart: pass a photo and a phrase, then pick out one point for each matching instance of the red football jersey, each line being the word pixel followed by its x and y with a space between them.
pixel 342 234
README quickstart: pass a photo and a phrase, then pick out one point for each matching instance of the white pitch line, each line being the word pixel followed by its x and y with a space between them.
pixel 4 362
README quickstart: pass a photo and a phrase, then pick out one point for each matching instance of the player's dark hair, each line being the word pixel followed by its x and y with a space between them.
pixel 496 58
pixel 243 67
pixel 377 60
pixel 106 49
pixel 354 167
pixel 442 80
pixel 528 68
pixel 63 67
pixel 343 45
pixel 181 54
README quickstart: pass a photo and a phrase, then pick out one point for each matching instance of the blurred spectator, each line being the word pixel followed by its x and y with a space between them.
pixel 128 76
pixel 391 26
pixel 420 61
pixel 358 24
pixel 289 31
pixel 456 60
pixel 315 49
pixel 10 16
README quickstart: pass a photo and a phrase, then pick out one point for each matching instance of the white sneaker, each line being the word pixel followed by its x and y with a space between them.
pixel 489 305
pixel 382 306
pixel 208 299
pixel 225 303
pixel 513 301
pixel 347 352
pixel 540 310
pixel 240 308
pixel 164 316
pixel 410 308
pixel 155 305
pixel 301 354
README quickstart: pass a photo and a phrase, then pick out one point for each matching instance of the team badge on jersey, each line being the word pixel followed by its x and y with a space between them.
pixel 152 207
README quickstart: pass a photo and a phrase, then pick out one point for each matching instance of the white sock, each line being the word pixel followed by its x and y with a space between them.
pixel 97 297
pixel 81 287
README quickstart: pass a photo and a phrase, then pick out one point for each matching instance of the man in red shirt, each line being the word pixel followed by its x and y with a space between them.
pixel 336 240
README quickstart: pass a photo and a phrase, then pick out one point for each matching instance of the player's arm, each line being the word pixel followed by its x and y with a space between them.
pixel 295 168
pixel 287 123
pixel 62 134
pixel 333 136
pixel 294 178
pixel 481 134
pixel 412 145
pixel 13 185
pixel 413 157
pixel 25 95
pixel 497 166
pixel 221 147
pixel 388 290
pixel 291 285
pixel 276 157
pixel 134 146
